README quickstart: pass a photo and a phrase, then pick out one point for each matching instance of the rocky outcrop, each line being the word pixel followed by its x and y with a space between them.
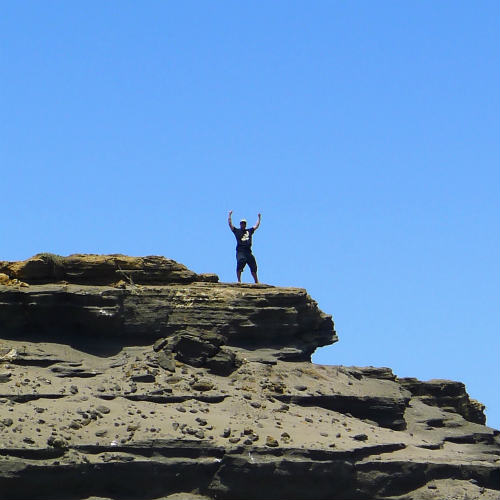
pixel 448 395
pixel 101 270
pixel 196 318
pixel 162 383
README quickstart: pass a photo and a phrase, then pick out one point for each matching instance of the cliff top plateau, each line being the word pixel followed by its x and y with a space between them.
pixel 136 378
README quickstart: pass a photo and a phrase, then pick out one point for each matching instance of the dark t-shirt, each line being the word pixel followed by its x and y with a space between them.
pixel 243 238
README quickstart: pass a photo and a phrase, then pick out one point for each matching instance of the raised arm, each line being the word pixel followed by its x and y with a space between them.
pixel 229 221
pixel 257 224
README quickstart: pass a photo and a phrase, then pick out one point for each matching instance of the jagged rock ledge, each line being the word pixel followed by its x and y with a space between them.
pixel 196 314
pixel 94 269
pixel 125 377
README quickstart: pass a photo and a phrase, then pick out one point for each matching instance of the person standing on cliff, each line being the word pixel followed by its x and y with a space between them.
pixel 244 254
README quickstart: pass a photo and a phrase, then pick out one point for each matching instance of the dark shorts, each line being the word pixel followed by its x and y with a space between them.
pixel 244 258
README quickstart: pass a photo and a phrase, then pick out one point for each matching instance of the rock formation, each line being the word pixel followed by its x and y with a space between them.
pixel 136 378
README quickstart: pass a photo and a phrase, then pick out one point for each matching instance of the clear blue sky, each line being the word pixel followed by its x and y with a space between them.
pixel 367 134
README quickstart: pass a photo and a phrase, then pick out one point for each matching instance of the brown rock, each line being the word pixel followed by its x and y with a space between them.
pixel 101 269
pixel 203 385
pixel 271 442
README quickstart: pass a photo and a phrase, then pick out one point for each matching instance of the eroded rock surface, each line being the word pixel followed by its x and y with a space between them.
pixel 186 388
pixel 100 270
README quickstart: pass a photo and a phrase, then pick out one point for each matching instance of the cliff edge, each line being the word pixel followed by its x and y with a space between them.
pixel 136 378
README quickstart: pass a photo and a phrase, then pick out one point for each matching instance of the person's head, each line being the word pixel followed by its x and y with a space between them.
pixel 243 224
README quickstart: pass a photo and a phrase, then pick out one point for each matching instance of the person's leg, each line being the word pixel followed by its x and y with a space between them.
pixel 240 264
pixel 252 264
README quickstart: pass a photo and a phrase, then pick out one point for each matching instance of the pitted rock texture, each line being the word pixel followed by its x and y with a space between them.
pixel 205 390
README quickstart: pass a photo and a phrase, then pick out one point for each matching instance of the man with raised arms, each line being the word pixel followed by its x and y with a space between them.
pixel 244 254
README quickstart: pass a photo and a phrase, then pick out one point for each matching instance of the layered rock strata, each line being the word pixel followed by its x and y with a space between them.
pixel 126 377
